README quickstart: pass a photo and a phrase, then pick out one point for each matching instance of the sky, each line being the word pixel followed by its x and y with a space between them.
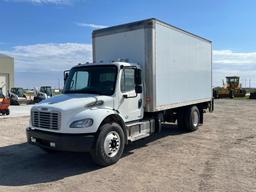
pixel 47 37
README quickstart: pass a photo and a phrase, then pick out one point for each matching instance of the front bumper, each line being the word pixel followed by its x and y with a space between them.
pixel 60 141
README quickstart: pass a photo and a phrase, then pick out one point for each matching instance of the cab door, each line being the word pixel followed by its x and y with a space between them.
pixel 131 103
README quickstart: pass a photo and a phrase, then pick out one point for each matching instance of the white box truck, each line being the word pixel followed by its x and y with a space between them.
pixel 143 74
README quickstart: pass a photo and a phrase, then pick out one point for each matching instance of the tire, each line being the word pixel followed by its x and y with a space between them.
pixel 14 102
pixel 7 112
pixel 231 95
pixel 109 145
pixel 191 119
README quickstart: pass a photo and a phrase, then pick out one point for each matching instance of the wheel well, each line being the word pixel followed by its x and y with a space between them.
pixel 117 119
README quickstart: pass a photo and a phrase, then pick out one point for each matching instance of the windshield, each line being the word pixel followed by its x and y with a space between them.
pixel 232 80
pixel 18 91
pixel 46 90
pixel 92 79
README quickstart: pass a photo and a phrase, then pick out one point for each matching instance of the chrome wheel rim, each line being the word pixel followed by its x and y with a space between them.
pixel 195 118
pixel 112 144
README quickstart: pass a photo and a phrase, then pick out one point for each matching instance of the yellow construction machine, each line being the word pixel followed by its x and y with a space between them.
pixel 231 89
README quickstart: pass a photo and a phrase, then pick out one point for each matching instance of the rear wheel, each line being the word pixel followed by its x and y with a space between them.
pixel 189 119
pixel 109 145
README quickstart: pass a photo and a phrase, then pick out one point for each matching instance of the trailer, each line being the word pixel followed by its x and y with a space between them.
pixel 143 74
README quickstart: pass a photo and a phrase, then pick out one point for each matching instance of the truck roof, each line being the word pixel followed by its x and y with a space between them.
pixel 116 63
pixel 147 23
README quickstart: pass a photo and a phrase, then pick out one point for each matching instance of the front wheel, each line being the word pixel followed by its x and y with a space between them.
pixel 109 145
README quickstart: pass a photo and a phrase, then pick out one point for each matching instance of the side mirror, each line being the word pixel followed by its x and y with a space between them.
pixel 138 89
pixel 138 76
pixel 66 73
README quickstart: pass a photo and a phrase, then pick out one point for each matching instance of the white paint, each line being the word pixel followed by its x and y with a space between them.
pixel 183 67
pixel 73 107
pixel 128 107
pixel 126 45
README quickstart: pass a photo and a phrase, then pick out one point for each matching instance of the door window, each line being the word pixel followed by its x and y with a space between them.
pixel 127 80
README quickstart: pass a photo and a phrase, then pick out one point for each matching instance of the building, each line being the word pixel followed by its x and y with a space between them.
pixel 6 73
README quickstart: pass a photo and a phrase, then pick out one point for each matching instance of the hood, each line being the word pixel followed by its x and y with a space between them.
pixel 76 101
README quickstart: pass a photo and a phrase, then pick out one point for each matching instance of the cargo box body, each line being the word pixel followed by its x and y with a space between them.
pixel 176 65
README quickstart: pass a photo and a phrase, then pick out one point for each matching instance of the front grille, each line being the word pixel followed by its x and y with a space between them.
pixel 46 120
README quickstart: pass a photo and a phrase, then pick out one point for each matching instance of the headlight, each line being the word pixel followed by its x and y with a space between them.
pixel 83 123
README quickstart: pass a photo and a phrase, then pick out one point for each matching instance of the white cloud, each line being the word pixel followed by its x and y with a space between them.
pixel 228 62
pixel 90 25
pixel 230 57
pixel 57 57
pixel 57 2
pixel 50 56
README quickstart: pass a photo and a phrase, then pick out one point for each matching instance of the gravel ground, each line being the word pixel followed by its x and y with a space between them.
pixel 18 111
pixel 220 156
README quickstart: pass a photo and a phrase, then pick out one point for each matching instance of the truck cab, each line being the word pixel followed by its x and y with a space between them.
pixel 111 85
pixel 95 95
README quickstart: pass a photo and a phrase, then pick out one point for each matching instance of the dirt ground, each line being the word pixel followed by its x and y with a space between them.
pixel 220 156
